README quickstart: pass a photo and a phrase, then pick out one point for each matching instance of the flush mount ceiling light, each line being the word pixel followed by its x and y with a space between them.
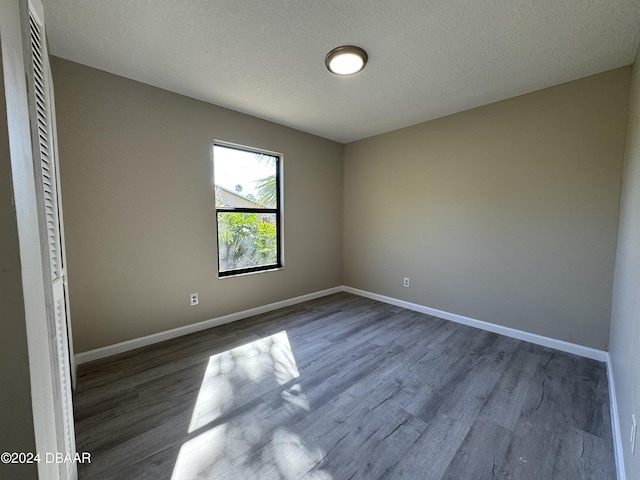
pixel 346 60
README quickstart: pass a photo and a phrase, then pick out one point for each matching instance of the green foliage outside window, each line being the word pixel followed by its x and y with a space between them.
pixel 246 240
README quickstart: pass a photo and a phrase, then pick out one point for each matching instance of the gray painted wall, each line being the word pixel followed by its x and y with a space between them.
pixel 507 213
pixel 16 421
pixel 625 316
pixel 139 207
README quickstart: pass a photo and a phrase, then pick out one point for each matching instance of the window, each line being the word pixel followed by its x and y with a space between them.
pixel 248 212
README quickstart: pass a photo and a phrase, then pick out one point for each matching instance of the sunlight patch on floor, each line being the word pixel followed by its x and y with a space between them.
pixel 256 442
pixel 268 358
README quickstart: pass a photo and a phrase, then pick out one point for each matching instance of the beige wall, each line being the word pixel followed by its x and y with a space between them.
pixel 139 207
pixel 507 213
pixel 16 422
pixel 625 315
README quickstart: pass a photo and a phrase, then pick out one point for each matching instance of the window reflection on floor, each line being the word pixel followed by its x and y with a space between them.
pixel 233 434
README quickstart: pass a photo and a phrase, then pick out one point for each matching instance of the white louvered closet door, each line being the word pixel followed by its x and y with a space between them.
pixel 43 132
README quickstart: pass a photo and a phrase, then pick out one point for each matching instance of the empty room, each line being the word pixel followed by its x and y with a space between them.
pixel 320 240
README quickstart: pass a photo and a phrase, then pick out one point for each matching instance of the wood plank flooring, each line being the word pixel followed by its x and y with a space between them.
pixel 344 388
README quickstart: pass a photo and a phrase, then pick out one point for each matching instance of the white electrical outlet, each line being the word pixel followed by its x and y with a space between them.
pixel 194 298
pixel 634 429
pixel 406 281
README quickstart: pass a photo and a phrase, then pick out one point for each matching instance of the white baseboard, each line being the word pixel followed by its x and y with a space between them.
pixel 121 347
pixel 561 345
pixel 125 346
pixel 615 422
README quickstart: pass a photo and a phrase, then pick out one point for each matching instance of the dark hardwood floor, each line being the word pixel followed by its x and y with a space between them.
pixel 341 388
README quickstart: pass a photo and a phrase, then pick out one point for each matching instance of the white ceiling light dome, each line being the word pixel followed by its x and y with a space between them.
pixel 346 60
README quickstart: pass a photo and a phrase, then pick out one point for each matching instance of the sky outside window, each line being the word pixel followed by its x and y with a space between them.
pixel 234 167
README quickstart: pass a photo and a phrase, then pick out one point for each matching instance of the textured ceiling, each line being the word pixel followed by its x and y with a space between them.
pixel 427 58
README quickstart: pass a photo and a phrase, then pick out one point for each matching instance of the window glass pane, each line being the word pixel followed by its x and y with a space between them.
pixel 244 179
pixel 246 240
